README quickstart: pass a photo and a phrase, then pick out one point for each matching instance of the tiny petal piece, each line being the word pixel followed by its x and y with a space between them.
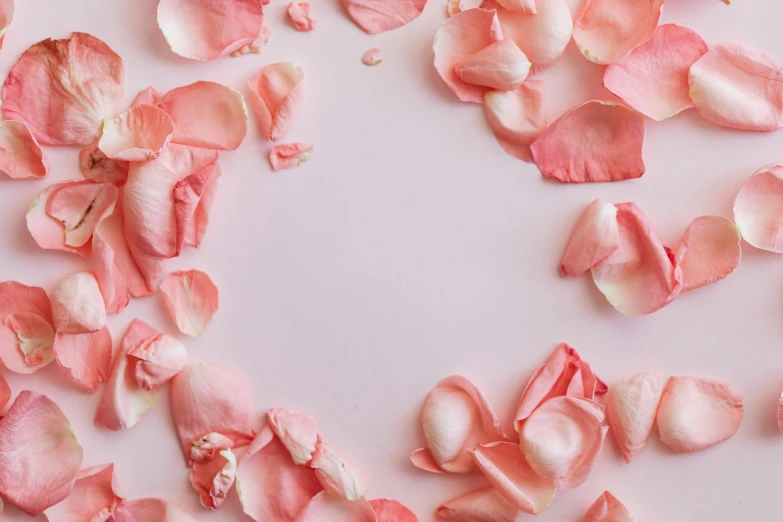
pixel 20 155
pixel 299 13
pixel 708 251
pixel 151 509
pixel 631 406
pixel 95 165
pixel 392 511
pixel 378 16
pixel 517 117
pixel 84 358
pixel 297 431
pixel 277 93
pixel 157 360
pixel 191 299
pixel 595 236
pixel 758 209
pixel 607 509
pixel 77 305
pixel 290 155
pixel 697 412
pixel 26 333
pixel 213 477
pixel 500 65
pixel 94 497
pixel 138 134
pixel 337 476
pixel 372 57
pixel 325 507
pixel 483 505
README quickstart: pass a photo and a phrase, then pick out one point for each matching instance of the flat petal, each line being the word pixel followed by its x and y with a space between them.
pixel 299 13
pixel 26 342
pixel 372 56
pixel 77 304
pixel 152 509
pixel 20 155
pixel 193 199
pixel 595 237
pixel 39 454
pixel 213 478
pixel 758 209
pixel 277 94
pixel 325 507
pixel 653 78
pixel 95 165
pixel 85 359
pixel 337 476
pixel 378 16
pixel 290 155
pixel 708 251
pixel 738 87
pixel 63 89
pixel 500 65
pixel 517 117
pixel 191 299
pixel 392 511
pixel 297 431
pixel 94 497
pixel 607 509
pixel 697 412
pixel 157 360
pixel 5 393
pixel 138 134
pixel 631 406
pixel 596 141
pixel 483 505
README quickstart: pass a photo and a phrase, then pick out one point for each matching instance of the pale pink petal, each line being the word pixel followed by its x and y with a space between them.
pixel 256 45
pixel 297 431
pixel 6 16
pixel 148 96
pixel 739 87
pixel 26 342
pixel 595 236
pixel 157 360
pixel 39 454
pixel 85 358
pixel 277 93
pixel 708 251
pixel 462 35
pixel 337 476
pixel 483 505
pixel 607 509
pixel 63 89
pixel 639 277
pixel 596 141
pixel 378 16
pixel 207 29
pixel 77 304
pixel 457 6
pixel 524 6
pixel 758 209
pixel 299 13
pixel 517 117
pixel 209 445
pixel 697 412
pixel 138 134
pixel 290 155
pixel 193 199
pixel 505 467
pixel 191 299
pixel 94 497
pixel 95 165
pixel 325 507
pixel 653 78
pixel 20 155
pixel 79 207
pixel 5 393
pixel 372 57
pixel 562 439
pixel 610 29
pixel 456 418
pixel 151 509
pixel 212 478
pixel 392 511
pixel 631 406
pixel 779 415
pixel 500 65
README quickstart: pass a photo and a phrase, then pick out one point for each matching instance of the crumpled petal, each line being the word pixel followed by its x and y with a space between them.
pixel 462 35
pixel 739 87
pixel 85 359
pixel 455 418
pixel 325 507
pixel 595 236
pixel 607 509
pixel 653 78
pixel 94 497
pixel 277 94
pixel 337 476
pixel 95 165
pixel 378 16
pixel 290 155
pixel 77 304
pixel 207 29
pixel 212 478
pixel 63 89
pixel 483 505
pixel 457 6
pixel 517 117
pixel 24 339
pixel 151 509
pixel 696 413
pixel 299 13
pixel 758 209
pixel 708 251
pixel 500 65
pixel 5 393
pixel 193 199
pixel 610 29
pixel 562 439
pixel 639 277
pixel 505 467
pixel 372 57
pixel 392 511
pixel 20 155
pixel 631 406
pixel 191 299
pixel 138 134
pixel 596 141
pixel 39 454
pixel 297 431
pixel 157 360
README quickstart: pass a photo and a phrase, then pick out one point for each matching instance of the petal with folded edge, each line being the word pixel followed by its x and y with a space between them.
pixel 26 342
pixel 299 13
pixel 157 360
pixel 6 17
pixel 483 505
pixel 758 209
pixel 138 134
pixel 193 199
pixel 148 96
pixel 337 476
pixel 85 358
pixel 18 298
pixel 631 406
pixel 500 65
pixel 607 509
pixel 325 507
pixel 256 45
pixel 378 16
pixel 94 497
pixel 392 511
pixel 277 93
pixel 290 155
pixel 20 155
pixel 708 251
pixel 77 304
pixel 150 509
pixel 79 207
pixel 191 299
pixel 212 478
pixel 595 236
pixel 517 117
pixel 297 431
pixel 95 165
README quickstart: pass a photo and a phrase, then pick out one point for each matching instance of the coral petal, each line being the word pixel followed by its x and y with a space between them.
pixel 157 360
pixel 500 65
pixel 631 406
pixel 337 476
pixel 290 155
pixel 277 93
pixel 85 358
pixel 378 16
pixel 392 511
pixel 595 236
pixel 484 505
pixel 151 509
pixel 708 251
pixel 517 117
pixel 325 507
pixel 191 299
pixel 77 305
pixel 138 134
pixel 607 509
pixel 297 431
pixel 20 155
pixel 299 13
pixel 94 497
pixel 758 209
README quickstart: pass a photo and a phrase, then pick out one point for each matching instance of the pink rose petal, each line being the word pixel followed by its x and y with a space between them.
pixel 325 507
pixel 77 304
pixel 299 13
pixel 517 117
pixel 631 406
pixel 596 141
pixel 758 209
pixel 6 16
pixel 20 155
pixel 191 299
pixel 595 237
pixel 193 199
pixel 708 251
pixel 500 65
pixel 697 412
pixel 653 78
pixel 483 505
pixel 63 89
pixel 94 497
pixel 95 165
pixel 157 360
pixel 85 359
pixel 290 155
pixel 151 509
pixel 298 433
pixel 5 393
pixel 524 6
pixel 337 476
pixel 208 446
pixel 607 509
pixel 212 477
pixel 256 45
pixel 39 454
pixel 457 6
pixel 392 511
pixel 26 334
pixel 138 134
pixel 277 94
pixel 378 16
pixel 372 57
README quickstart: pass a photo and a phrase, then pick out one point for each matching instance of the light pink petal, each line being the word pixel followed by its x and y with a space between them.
pixel 157 360
pixel 148 96
pixel 193 199
pixel 5 393
pixel 207 29
pixel 79 207
pixel 596 141
pixel 191 299
pixel 483 505
pixel 6 16
pixel 85 359
pixel 631 406
pixel 151 509
pixel 500 65
pixel 138 134
pixel 94 497
pixel 758 209
pixel 610 29
pixel 77 304
pixel 337 476
pixel 505 467
pixel 462 35
pixel 208 446
pixel 297 431
pixel 392 511
pixel 697 412
pixel 456 418
pixel 517 117
pixel 378 16
pixel 63 89
pixel 739 87
pixel 708 251
pixel 372 57
pixel 212 478
pixel 607 509
pixel 457 6
pixel 325 507
pixel 95 165
pixel 277 93
pixel 562 439
pixel 653 78
pixel 39 454
pixel 595 236
pixel 20 155
pixel 256 45
pixel 524 6
pixel 299 13
pixel 290 155
pixel 639 277
pixel 26 342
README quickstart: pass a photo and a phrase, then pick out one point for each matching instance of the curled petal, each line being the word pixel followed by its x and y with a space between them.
pixel 94 497
pixel 297 431
pixel 208 446
pixel 378 16
pixel 325 507
pixel 696 413
pixel 212 478
pixel 95 165
pixel 157 360
pixel 483 505
pixel 299 13
pixel 372 57
pixel 653 78
pixel 500 66
pixel 596 141
pixel 20 155
pixel 392 511
pixel 631 406
pixel 191 299
pixel 457 6
pixel 277 93
pixel 607 509
pixel 63 89
pixel 26 342
pixel 85 358
pixel 77 304
pixel 148 96
pixel 290 155
pixel 138 134
pixel 517 117
pixel 337 476
pixel 193 198
pixel 595 236
pixel 151 509
pixel 256 45
pixel 708 251
pixel 758 209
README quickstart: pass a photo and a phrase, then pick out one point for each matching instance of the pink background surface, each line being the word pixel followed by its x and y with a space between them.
pixel 411 247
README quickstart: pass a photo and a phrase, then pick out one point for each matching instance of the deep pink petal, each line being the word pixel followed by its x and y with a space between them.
pixel 595 237
pixel 213 477
pixel 26 342
pixel 325 507
pixel 95 165
pixel 297 431
pixel 500 65
pixel 290 155
pixel 20 155
pixel 631 406
pixel 191 299
pixel 277 94
pixel 77 304
pixel 94 497
pixel 193 199
pixel 299 13
pixel 392 511
pixel 157 360
pixel 151 509
pixel 483 505
pixel 138 134
pixel 85 358
pixel 338 476
pixel 378 16
pixel 708 251
pixel 758 209
pixel 517 117
pixel 607 509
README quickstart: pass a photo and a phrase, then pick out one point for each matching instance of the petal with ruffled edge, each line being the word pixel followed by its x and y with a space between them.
pixel 595 236
pixel 708 251
pixel 85 359
pixel 157 360
pixel 191 299
pixel 77 304
pixel 378 16
pixel 299 13
pixel 500 65
pixel 325 507
pixel 297 431
pixel 517 117
pixel 193 199
pixel 212 478
pixel 337 476
pixel 607 509
pixel 138 134
pixel 25 342
pixel 277 94
pixel 483 505
pixel 392 511
pixel 758 209
pixel 631 406
pixel 149 509
pixel 290 155
pixel 20 155
pixel 94 497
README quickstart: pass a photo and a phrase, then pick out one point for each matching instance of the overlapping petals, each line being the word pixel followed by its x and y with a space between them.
pixel 138 134
pixel 607 509
pixel 20 155
pixel 595 236
pixel 500 65
pixel 299 13
pixel 213 475
pixel 191 299
pixel 298 433
pixel 378 16
pixel 758 209
pixel 631 406
pixel 277 94
pixel 26 332
pixel 84 358
pixel 95 165
pixel 338 477
pixel 483 505
pixel 517 117
pixel 77 304
pixel 94 498
pixel 708 251
pixel 290 155
pixel 392 511
pixel 157 360
pixel 325 507
pixel 151 509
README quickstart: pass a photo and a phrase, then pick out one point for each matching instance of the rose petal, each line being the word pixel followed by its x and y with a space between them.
pixel 6 16
pixel 297 431
pixel 77 304
pixel 505 467
pixel 337 476
pixel 63 89
pixel 638 278
pixel 457 6
pixel 325 507
pixel 697 412
pixel 148 96
pixel 5 393
pixel 610 29
pixel 95 165
pixel 94 497
pixel 594 238
pixel 138 134
pixel 85 359
pixel 290 155
pixel 562 439
pixel 708 251
pixel 462 35
pixel 631 406
pixel 205 30
pixel 39 454
pixel 517 117
pixel 653 78
pixel 392 511
pixel 26 340
pixel 500 65
pixel 79 207
pixel 758 209
pixel 738 87
pixel 607 509
pixel 256 45
pixel 191 299
pixel 208 446
pixel 378 16
pixel 372 57
pixel 213 478
pixel 157 360
pixel 151 509
pixel 299 13
pixel 524 6
pixel 277 93
pixel 483 505
pixel 20 155
pixel 193 199
pixel 596 141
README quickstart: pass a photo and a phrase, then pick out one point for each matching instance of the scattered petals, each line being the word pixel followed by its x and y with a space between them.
pixel 298 433
pixel 392 511
pixel 95 165
pixel 77 304
pixel 595 236
pixel 607 509
pixel 337 476
pixel 758 209
pixel 84 358
pixel 20 155
pixel 151 509
pixel 483 505
pixel 372 57
pixel 500 66
pixel 299 13
pixel 290 155
pixel 378 16
pixel 157 360
pixel 631 406
pixel 191 299
pixel 26 334
pixel 213 477
pixel 708 251
pixel 277 93
pixel 517 117
pixel 325 507
pixel 94 497
pixel 138 134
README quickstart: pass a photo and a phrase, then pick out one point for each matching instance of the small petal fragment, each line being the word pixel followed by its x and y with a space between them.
pixel 325 507
pixel 20 155
pixel 77 304
pixel 26 334
pixel 290 155
pixel 277 93
pixel 500 66
pixel 191 299
pixel 607 509
pixel 595 236
pixel 157 360
pixel 94 497
pixel 392 511
pixel 517 117
pixel 372 57
pixel 708 251
pixel 378 16
pixel 697 412
pixel 138 134
pixel 297 431
pixel 213 477
pixel 85 358
pixel 631 406
pixel 95 165
pixel 483 505
pixel 149 509
pixel 337 476
pixel 758 209
pixel 299 13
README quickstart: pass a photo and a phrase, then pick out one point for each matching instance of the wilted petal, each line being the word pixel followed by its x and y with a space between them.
pixel 277 93
pixel 758 209
pixel 325 507
pixel 77 304
pixel 151 509
pixel 20 155
pixel 26 334
pixel 138 134
pixel 483 505
pixel 95 165
pixel 193 199
pixel 372 57
pixel 708 251
pixel 378 16
pixel 299 13
pixel 94 497
pixel 595 236
pixel 500 65
pixel 517 117
pixel 85 358
pixel 392 511
pixel 297 431
pixel 290 155
pixel 607 509
pixel 631 406
pixel 337 476
pixel 213 477
pixel 191 299
pixel 157 360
